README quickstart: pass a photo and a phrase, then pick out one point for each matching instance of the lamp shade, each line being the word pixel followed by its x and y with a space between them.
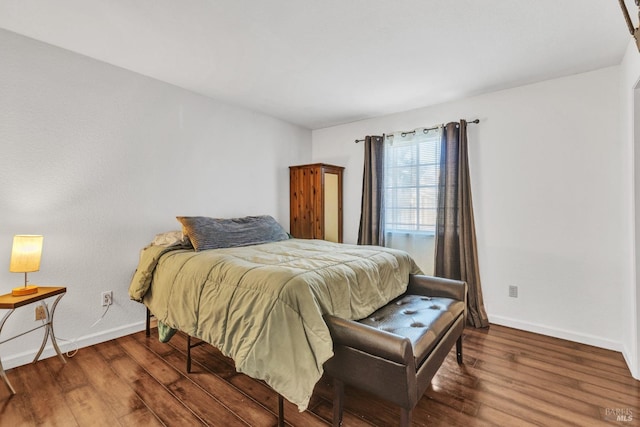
pixel 26 253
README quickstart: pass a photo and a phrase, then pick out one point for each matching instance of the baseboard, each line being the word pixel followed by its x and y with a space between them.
pixel 632 362
pixel 559 333
pixel 88 340
pixel 65 346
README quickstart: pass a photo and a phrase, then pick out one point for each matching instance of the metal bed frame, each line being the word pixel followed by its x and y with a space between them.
pixel 188 364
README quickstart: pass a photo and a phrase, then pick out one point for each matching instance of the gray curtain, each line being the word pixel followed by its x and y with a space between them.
pixel 371 231
pixel 456 253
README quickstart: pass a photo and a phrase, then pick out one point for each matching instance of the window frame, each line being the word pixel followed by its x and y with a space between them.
pixel 420 139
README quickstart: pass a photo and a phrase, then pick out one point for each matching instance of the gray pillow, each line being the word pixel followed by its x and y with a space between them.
pixel 216 233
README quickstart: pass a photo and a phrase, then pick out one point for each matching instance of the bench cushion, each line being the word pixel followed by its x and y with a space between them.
pixel 423 320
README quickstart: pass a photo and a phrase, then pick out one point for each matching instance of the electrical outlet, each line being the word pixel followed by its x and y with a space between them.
pixel 107 298
pixel 40 313
pixel 513 291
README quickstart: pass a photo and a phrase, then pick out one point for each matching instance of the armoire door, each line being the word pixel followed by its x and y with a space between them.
pixel 316 201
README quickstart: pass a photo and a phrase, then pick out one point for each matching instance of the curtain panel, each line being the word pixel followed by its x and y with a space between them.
pixel 456 253
pixel 371 230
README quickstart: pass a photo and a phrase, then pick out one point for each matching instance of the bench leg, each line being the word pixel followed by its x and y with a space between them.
pixel 338 402
pixel 405 417
pixel 459 350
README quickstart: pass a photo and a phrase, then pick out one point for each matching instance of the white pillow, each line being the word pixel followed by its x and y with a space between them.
pixel 171 238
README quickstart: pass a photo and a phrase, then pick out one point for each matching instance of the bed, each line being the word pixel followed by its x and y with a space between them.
pixel 261 301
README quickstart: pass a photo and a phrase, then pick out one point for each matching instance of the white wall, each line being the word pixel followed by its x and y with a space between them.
pixel 630 126
pixel 551 194
pixel 421 247
pixel 99 159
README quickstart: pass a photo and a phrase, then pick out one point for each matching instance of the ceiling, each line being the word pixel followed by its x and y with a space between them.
pixel 318 63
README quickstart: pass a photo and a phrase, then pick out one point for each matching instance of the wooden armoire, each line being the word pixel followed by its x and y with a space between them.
pixel 315 197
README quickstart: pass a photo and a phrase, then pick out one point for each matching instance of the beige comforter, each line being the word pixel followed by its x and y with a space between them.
pixel 262 305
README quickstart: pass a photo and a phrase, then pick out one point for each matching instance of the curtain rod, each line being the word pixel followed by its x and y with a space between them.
pixel 476 121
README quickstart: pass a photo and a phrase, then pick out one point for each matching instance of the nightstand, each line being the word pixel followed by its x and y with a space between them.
pixel 11 303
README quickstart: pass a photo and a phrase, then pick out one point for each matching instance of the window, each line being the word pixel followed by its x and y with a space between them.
pixel 411 181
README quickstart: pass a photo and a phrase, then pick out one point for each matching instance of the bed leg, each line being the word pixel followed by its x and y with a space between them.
pixel 280 411
pixel 338 402
pixel 148 330
pixel 189 354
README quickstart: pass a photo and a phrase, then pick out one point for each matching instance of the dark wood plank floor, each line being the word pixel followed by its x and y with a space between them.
pixel 509 378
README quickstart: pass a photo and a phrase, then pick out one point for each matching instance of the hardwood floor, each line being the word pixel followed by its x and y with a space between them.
pixel 509 378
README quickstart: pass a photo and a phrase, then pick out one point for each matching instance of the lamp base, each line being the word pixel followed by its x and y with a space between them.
pixel 24 290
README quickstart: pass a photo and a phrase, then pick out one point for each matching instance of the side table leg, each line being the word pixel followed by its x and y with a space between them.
pixel 6 380
pixel 2 373
pixel 49 331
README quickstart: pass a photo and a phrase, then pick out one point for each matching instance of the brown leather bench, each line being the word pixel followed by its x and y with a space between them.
pixel 395 352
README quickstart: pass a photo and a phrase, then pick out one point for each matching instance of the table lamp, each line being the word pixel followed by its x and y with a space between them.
pixel 25 258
